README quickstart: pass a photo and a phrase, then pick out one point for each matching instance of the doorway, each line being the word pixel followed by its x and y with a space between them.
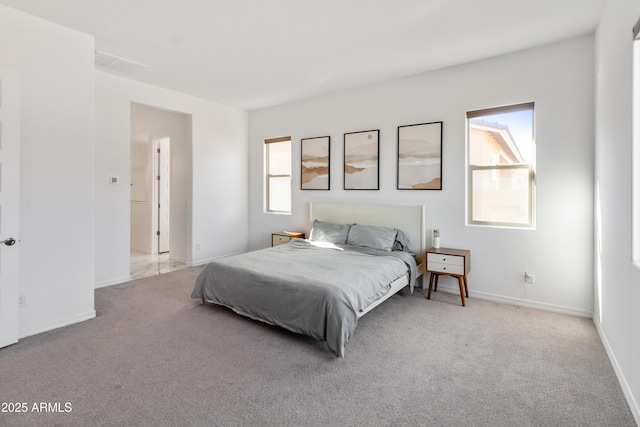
pixel 160 164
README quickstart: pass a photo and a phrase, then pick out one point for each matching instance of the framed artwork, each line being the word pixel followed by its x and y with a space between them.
pixel 361 160
pixel 314 163
pixel 420 156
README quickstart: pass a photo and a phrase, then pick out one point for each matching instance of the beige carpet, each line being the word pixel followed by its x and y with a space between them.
pixel 154 357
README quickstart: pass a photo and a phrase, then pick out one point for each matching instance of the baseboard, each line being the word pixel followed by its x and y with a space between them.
pixel 111 282
pixel 520 302
pixel 633 403
pixel 60 324
pixel 140 249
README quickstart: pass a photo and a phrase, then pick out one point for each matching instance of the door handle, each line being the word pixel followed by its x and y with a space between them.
pixel 9 242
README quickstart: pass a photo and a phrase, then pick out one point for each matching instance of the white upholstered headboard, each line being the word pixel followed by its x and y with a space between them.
pixel 409 219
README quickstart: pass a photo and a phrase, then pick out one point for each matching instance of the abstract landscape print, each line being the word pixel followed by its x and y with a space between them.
pixel 420 156
pixel 315 155
pixel 361 160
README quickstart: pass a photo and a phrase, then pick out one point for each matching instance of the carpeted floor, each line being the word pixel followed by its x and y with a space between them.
pixel 154 357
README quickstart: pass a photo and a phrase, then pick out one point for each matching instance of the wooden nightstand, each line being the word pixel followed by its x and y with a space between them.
pixel 450 262
pixel 283 237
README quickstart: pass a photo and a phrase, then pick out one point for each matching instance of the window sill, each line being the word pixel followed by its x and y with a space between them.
pixel 277 213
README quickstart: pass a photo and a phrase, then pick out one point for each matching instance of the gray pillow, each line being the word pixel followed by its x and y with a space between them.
pixel 401 243
pixel 328 232
pixel 372 237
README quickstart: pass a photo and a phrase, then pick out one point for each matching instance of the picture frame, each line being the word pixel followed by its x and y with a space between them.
pixel 362 160
pixel 315 156
pixel 420 156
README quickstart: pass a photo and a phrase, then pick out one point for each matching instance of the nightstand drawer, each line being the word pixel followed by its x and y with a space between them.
pixel 444 259
pixel 285 237
pixel 277 239
pixel 440 267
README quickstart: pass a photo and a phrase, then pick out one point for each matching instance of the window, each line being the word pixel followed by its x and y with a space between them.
pixel 501 166
pixel 278 174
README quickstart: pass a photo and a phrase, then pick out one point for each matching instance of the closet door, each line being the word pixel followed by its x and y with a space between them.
pixel 9 204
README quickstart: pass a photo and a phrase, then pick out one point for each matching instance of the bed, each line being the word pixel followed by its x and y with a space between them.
pixel 356 257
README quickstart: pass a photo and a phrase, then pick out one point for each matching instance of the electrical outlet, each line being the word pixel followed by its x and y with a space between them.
pixel 22 300
pixel 197 246
pixel 529 277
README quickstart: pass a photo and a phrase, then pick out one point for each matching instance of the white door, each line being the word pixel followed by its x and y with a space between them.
pixel 9 203
pixel 164 200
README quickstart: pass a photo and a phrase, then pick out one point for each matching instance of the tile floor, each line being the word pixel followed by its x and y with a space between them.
pixel 145 265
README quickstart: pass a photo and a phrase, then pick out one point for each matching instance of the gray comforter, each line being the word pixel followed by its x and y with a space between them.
pixel 308 289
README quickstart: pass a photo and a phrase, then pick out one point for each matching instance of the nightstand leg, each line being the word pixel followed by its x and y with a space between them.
pixel 431 276
pixel 461 284
pixel 466 286
pixel 435 282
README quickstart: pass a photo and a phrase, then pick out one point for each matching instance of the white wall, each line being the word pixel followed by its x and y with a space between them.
pixel 217 201
pixel 56 180
pixel 148 124
pixel 617 290
pixel 558 78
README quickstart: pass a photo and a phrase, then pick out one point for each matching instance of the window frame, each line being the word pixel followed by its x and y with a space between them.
pixel 269 175
pixel 530 167
pixel 635 148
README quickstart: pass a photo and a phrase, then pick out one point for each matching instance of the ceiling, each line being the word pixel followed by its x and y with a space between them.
pixel 257 53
